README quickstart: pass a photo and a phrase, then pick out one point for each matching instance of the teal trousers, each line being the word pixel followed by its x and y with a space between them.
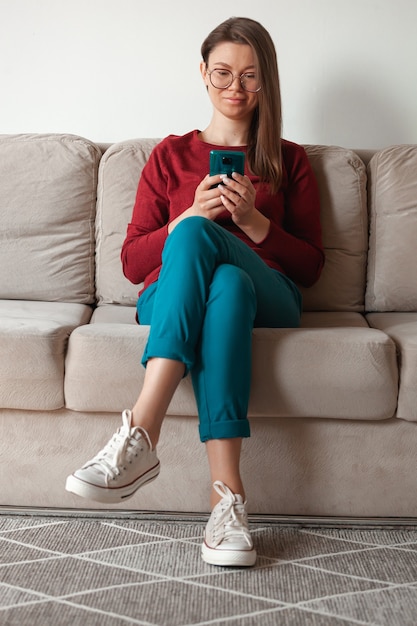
pixel 211 292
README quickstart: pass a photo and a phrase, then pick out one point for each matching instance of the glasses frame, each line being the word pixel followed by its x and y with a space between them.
pixel 233 77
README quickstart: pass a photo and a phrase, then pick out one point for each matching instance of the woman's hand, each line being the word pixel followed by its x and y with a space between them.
pixel 238 197
pixel 207 202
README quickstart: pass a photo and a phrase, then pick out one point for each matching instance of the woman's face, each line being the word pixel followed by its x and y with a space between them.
pixel 233 102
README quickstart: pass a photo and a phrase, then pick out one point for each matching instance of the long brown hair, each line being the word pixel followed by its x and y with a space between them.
pixel 264 141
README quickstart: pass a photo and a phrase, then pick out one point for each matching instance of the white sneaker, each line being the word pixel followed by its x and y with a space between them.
pixel 126 463
pixel 227 540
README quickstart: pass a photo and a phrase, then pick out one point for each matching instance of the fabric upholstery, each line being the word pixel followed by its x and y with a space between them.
pixel 341 177
pixel 402 328
pixel 392 270
pixel 307 466
pixel 119 174
pixel 47 211
pixel 33 343
pixel 354 369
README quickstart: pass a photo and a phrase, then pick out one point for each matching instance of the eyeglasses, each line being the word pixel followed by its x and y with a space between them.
pixel 222 79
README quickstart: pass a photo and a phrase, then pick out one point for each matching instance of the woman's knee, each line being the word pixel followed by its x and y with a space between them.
pixel 190 239
pixel 190 227
pixel 194 236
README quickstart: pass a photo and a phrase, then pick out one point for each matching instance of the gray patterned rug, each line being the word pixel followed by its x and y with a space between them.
pixel 115 571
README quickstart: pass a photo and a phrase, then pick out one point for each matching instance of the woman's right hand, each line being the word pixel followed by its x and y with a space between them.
pixel 207 202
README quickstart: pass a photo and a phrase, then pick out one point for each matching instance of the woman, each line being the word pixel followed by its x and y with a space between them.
pixel 218 257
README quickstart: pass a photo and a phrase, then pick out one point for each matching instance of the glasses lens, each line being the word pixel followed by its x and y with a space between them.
pixel 221 78
pixel 250 82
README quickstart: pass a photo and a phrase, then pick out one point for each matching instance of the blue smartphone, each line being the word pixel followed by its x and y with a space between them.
pixel 226 162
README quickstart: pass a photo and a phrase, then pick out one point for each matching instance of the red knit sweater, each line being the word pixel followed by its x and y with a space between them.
pixel 166 189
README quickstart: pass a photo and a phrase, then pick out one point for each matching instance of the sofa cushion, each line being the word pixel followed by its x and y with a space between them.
pixel 119 174
pixel 337 319
pixel 392 270
pixel 349 365
pixel 47 212
pixel 341 177
pixel 402 327
pixel 33 342
pixel 337 372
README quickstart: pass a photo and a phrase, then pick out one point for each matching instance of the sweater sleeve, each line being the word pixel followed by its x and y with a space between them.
pixel 296 244
pixel 146 233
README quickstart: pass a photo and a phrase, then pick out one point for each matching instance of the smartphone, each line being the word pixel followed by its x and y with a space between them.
pixel 226 162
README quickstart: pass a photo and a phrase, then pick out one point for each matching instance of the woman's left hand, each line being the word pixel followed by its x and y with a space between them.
pixel 238 197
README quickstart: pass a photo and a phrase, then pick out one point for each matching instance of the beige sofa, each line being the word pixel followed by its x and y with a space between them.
pixel 333 404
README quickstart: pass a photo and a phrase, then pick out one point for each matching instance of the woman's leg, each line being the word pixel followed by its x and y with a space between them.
pixel 238 297
pixel 224 461
pixel 219 289
pixel 162 377
pixel 221 374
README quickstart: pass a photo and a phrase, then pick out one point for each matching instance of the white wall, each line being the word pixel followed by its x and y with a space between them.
pixel 116 69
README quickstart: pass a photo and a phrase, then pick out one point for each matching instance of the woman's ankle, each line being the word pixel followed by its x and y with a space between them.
pixel 152 432
pixel 215 497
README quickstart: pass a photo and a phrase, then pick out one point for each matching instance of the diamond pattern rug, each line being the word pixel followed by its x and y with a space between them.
pixel 110 571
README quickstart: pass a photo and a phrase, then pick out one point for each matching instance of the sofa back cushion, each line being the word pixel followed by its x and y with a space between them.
pixel 119 173
pixel 47 210
pixel 392 269
pixel 341 177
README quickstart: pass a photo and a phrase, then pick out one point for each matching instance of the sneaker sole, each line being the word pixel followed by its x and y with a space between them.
pixel 228 558
pixel 107 495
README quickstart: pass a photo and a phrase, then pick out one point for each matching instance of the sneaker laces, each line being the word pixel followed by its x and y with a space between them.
pixel 232 522
pixel 120 447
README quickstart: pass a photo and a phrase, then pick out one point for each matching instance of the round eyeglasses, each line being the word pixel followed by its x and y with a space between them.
pixel 222 79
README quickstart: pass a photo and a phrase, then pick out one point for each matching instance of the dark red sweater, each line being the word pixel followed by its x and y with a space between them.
pixel 166 189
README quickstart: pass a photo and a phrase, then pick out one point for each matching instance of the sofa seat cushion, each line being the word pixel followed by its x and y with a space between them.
pixel 348 372
pixel 333 372
pixel 33 341
pixel 402 327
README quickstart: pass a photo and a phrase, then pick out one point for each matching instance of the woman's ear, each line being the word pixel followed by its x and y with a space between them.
pixel 203 70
